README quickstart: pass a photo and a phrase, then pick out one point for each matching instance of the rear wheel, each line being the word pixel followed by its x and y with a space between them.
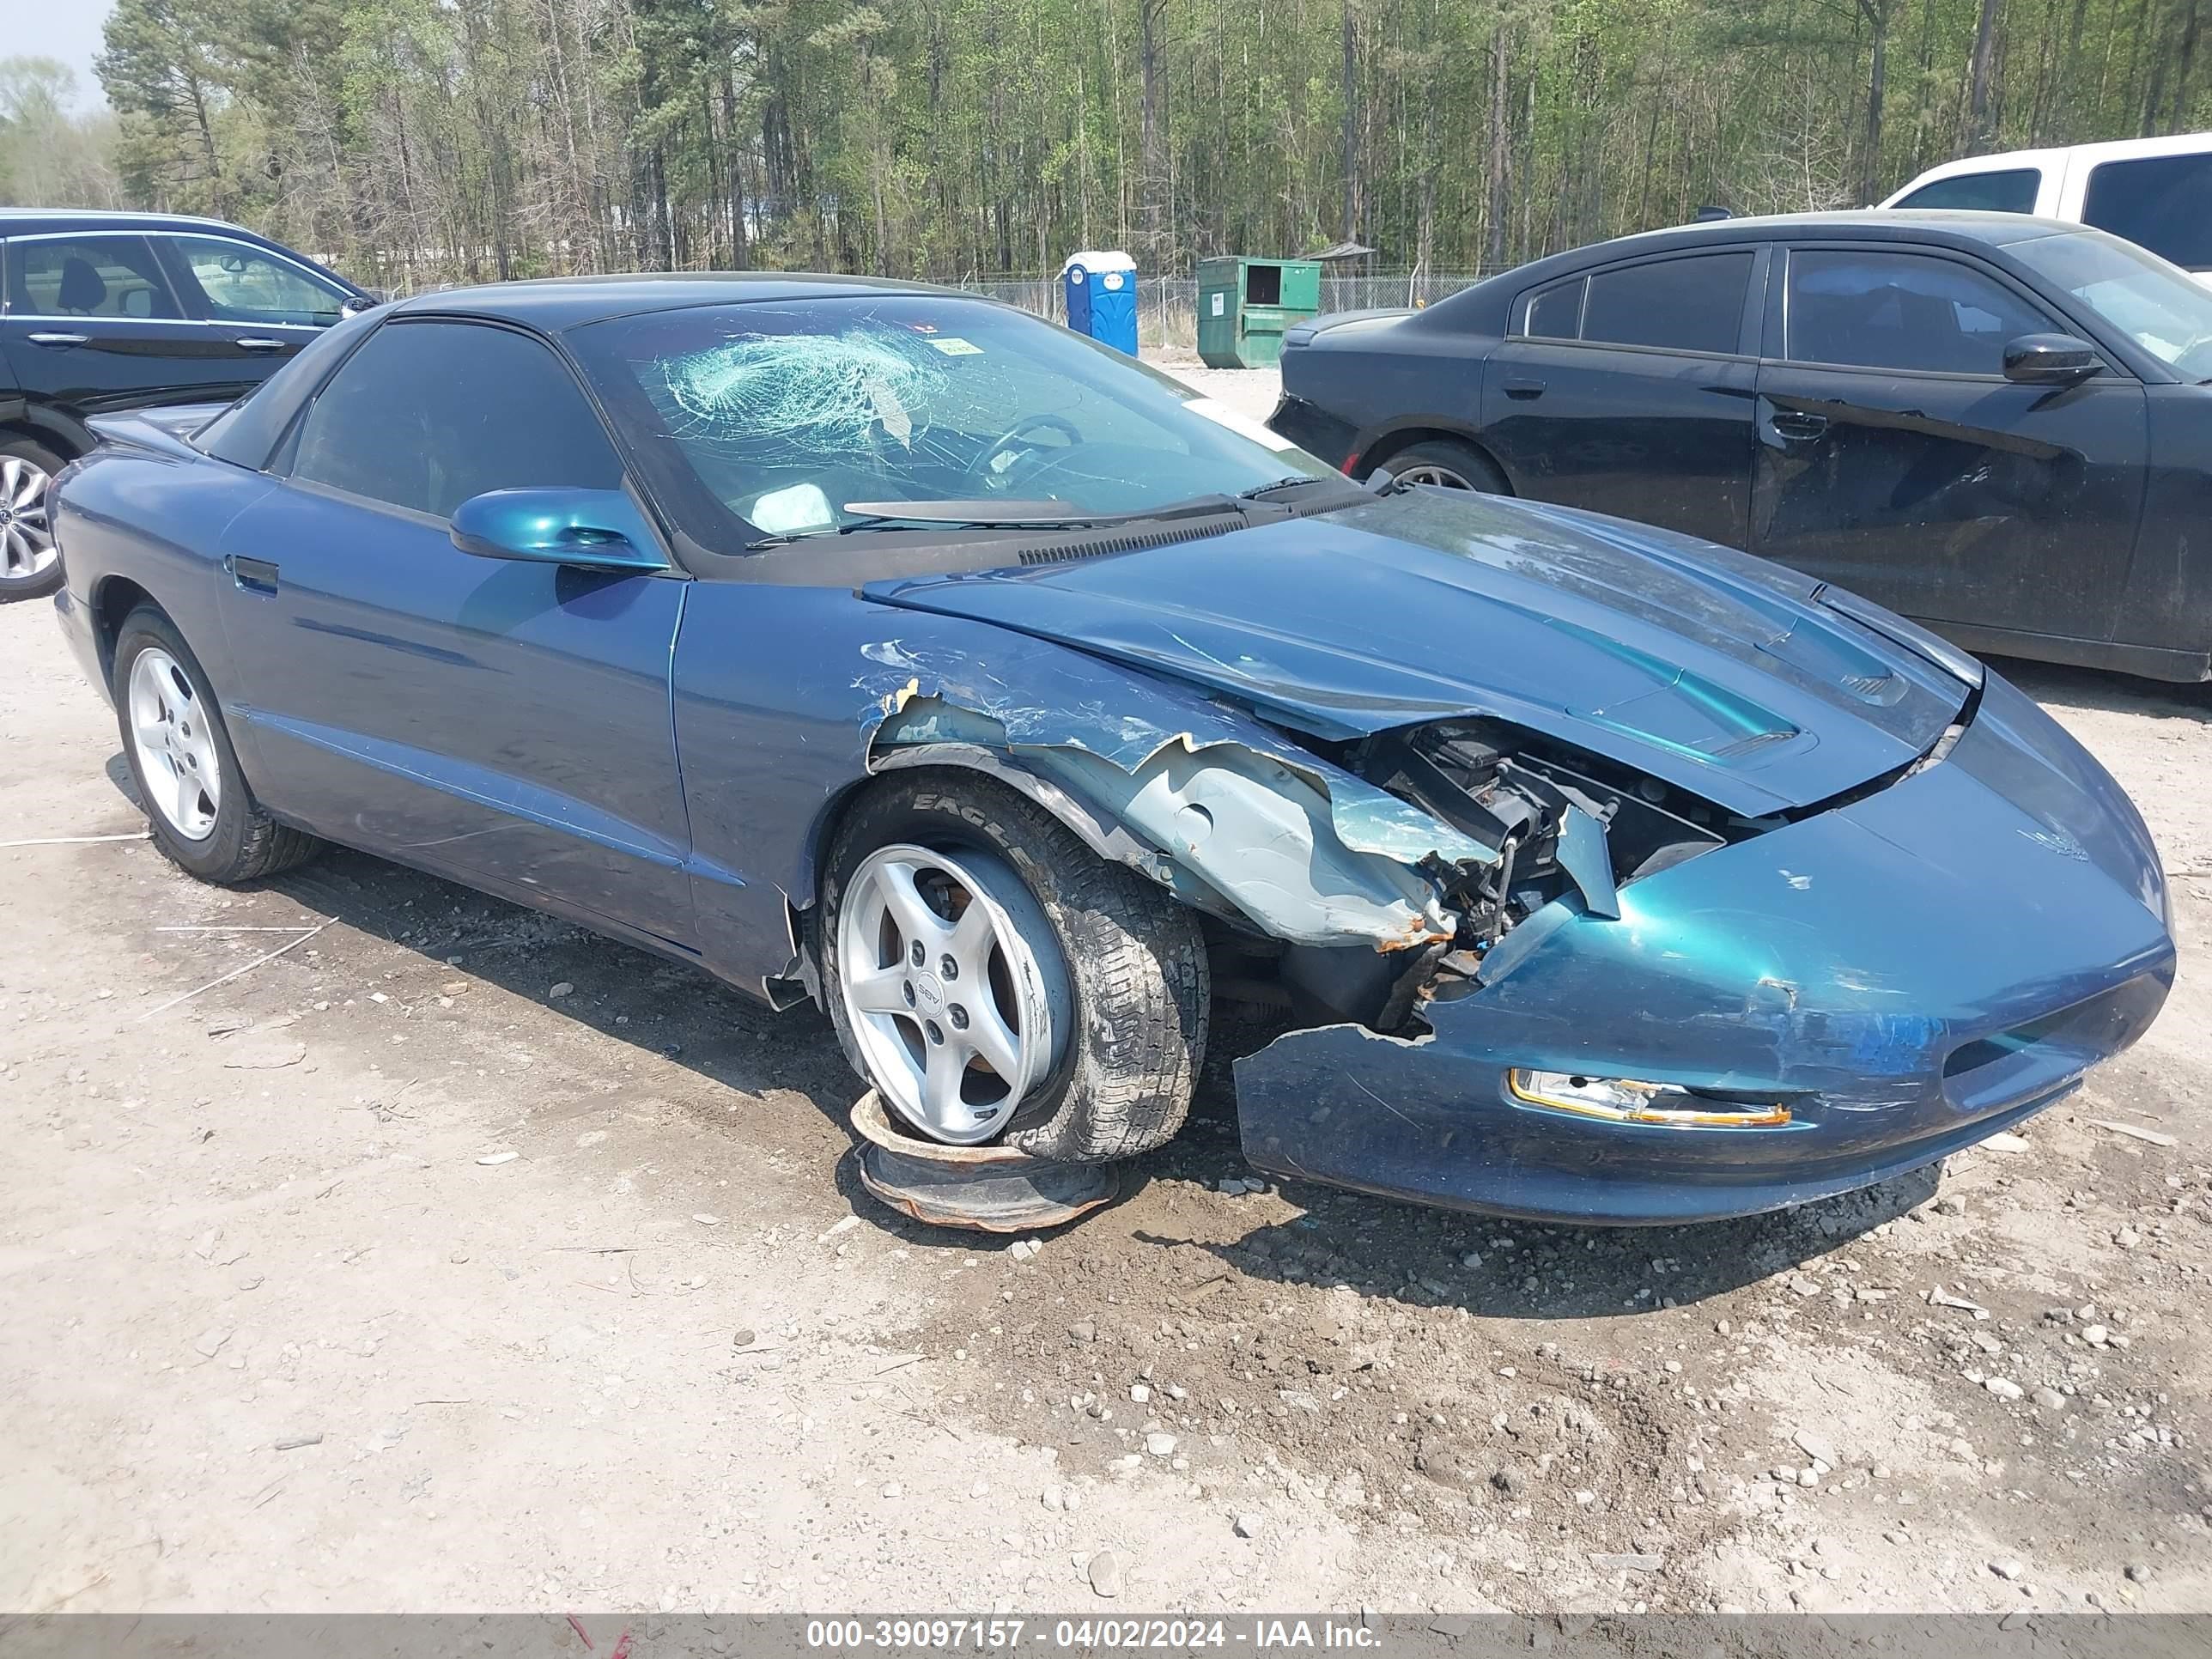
pixel 30 565
pixel 201 811
pixel 995 979
pixel 1448 464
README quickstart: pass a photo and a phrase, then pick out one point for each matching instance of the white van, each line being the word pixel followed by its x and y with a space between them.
pixel 2157 192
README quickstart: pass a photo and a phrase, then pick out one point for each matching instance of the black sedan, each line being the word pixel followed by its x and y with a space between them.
pixel 1999 425
pixel 101 312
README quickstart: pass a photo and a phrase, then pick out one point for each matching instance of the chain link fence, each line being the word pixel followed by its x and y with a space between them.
pixel 1166 306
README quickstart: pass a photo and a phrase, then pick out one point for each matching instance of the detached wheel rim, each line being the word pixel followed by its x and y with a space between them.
pixel 173 745
pixel 958 1016
pixel 26 540
pixel 1428 473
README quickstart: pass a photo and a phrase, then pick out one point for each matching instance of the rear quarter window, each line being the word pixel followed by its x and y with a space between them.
pixel 2012 190
pixel 2163 202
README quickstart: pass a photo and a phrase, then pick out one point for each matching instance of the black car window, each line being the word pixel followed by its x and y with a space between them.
pixel 241 283
pixel 1556 312
pixel 1681 304
pixel 426 415
pixel 113 276
pixel 1871 309
pixel 2012 190
pixel 2163 202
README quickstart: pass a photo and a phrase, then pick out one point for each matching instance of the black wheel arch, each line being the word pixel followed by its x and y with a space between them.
pixel 1376 450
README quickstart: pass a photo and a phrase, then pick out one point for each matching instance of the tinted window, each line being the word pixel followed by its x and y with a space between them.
pixel 1684 305
pixel 1901 311
pixel 242 284
pixel 426 415
pixel 2162 201
pixel 88 277
pixel 247 432
pixel 2012 190
pixel 1556 312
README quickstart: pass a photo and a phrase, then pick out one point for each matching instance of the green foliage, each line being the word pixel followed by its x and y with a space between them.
pixel 425 141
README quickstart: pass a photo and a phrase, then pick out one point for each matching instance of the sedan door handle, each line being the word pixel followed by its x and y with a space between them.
pixel 260 342
pixel 252 575
pixel 1796 425
pixel 1520 385
pixel 47 339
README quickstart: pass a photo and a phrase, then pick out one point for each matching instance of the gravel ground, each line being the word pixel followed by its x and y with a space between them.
pixel 456 1258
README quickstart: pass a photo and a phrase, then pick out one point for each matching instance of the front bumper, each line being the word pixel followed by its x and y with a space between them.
pixel 1911 972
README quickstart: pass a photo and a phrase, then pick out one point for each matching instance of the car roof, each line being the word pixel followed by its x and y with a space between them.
pixel 1955 225
pixel 2102 149
pixel 23 222
pixel 564 303
pixel 1943 226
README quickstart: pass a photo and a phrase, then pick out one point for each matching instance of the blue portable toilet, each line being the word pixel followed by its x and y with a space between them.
pixel 1102 297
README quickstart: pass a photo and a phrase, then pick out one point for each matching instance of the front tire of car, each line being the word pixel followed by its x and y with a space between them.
pixel 199 808
pixel 30 564
pixel 997 981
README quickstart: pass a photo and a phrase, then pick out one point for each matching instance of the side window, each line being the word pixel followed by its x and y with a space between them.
pixel 2163 202
pixel 88 277
pixel 242 284
pixel 426 415
pixel 2011 190
pixel 1694 304
pixel 1556 312
pixel 1872 309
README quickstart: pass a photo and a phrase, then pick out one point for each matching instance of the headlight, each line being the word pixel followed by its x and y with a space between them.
pixel 1628 1100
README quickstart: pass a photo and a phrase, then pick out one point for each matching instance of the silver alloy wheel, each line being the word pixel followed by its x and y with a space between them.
pixel 1428 473
pixel 175 748
pixel 26 540
pixel 957 1016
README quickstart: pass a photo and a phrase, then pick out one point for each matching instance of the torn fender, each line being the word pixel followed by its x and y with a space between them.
pixel 1226 815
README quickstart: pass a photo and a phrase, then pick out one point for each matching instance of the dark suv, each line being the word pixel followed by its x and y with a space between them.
pixel 107 311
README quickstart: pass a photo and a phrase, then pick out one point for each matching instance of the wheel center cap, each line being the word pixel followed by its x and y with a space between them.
pixel 928 994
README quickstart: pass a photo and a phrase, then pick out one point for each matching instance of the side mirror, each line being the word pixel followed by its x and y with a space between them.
pixel 2049 360
pixel 589 529
pixel 368 300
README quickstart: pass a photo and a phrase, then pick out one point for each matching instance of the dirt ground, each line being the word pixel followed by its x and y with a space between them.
pixel 457 1259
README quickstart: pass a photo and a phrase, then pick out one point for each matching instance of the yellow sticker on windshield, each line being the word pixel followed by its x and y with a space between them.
pixel 953 346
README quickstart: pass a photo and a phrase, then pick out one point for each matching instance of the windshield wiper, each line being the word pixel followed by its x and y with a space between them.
pixel 988 515
pixel 981 514
pixel 1258 490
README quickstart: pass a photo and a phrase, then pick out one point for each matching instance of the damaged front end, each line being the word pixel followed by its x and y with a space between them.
pixel 1348 880
pixel 1514 974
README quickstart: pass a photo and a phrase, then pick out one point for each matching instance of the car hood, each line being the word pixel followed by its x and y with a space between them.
pixel 1707 669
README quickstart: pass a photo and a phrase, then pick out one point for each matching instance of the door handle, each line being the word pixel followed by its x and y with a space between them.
pixel 1796 425
pixel 252 575
pixel 260 342
pixel 1520 385
pixel 50 339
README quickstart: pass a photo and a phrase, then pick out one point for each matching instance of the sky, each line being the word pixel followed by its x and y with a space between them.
pixel 66 29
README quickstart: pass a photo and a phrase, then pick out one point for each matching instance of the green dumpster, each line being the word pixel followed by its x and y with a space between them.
pixel 1244 304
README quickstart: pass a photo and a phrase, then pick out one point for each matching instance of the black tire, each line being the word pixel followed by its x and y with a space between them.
pixel 1475 469
pixel 1135 961
pixel 244 844
pixel 16 587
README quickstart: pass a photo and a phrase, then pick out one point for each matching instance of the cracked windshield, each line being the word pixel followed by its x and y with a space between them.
pixel 802 421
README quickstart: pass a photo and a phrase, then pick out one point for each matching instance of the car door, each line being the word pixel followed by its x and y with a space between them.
pixel 503 721
pixel 94 322
pixel 259 306
pixel 1895 459
pixel 1628 390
